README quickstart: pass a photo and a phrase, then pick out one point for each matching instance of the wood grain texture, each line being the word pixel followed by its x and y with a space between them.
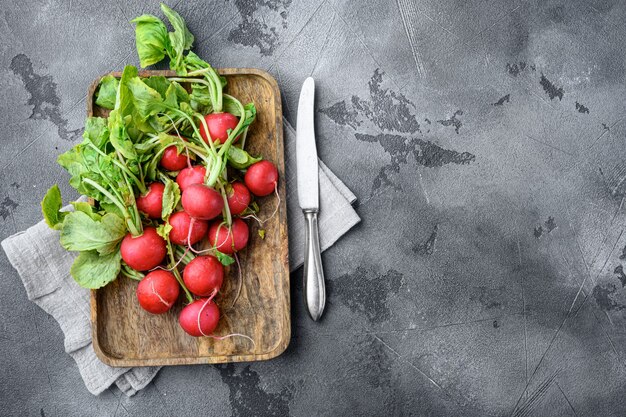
pixel 125 335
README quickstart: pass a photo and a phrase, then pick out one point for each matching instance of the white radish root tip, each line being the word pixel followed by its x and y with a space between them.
pixel 175 265
pixel 200 313
pixel 189 246
pixel 159 295
pixel 277 202
pixel 219 337
pixel 253 216
pixel 261 222
pixel 213 294
pixel 230 233
pixel 233 335
pixel 214 247
pixel 191 223
pixel 188 158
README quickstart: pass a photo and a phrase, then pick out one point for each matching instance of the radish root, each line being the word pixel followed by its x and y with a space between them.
pixel 214 247
pixel 277 202
pixel 175 265
pixel 261 222
pixel 191 223
pixel 255 217
pixel 189 246
pixel 232 335
pixel 206 303
pixel 188 158
pixel 168 305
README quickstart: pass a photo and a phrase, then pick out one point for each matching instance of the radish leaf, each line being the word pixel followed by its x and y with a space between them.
pixel 115 227
pixel 96 131
pixel 224 259
pixel 176 94
pixel 92 270
pixel 200 98
pixel 158 83
pixel 87 209
pixel 82 233
pixel 240 159
pixel 50 206
pixel 119 136
pixel 171 197
pixel 147 101
pixel 164 230
pixel 180 40
pixel 151 39
pixel 105 97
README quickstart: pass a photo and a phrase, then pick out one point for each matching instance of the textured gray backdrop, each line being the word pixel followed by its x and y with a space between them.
pixel 486 142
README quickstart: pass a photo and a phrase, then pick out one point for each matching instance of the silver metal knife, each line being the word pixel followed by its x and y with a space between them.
pixel 308 197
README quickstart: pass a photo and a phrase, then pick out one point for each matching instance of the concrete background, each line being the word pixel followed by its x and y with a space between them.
pixel 485 141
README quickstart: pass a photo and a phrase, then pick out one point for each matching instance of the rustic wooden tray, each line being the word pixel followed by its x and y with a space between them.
pixel 125 335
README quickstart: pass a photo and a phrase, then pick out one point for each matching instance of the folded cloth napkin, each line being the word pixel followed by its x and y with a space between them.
pixel 43 266
pixel 336 214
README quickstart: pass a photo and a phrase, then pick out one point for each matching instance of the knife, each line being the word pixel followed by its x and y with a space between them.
pixel 308 197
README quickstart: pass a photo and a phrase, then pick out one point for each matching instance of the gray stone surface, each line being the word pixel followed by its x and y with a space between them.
pixel 485 141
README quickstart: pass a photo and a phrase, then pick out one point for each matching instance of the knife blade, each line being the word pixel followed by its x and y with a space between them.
pixel 306 152
pixel 308 198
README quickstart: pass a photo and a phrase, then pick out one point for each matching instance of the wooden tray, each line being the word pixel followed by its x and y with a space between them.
pixel 125 335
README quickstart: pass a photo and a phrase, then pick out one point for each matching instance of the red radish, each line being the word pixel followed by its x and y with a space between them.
pixel 203 275
pixel 224 240
pixel 261 178
pixel 172 160
pixel 238 198
pixel 199 318
pixel 158 291
pixel 202 202
pixel 152 202
pixel 219 124
pixel 190 176
pixel 143 252
pixel 181 222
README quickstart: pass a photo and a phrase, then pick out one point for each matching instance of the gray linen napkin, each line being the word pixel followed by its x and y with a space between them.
pixel 43 265
pixel 336 214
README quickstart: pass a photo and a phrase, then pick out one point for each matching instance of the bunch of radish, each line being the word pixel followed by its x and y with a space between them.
pixel 204 213
pixel 172 182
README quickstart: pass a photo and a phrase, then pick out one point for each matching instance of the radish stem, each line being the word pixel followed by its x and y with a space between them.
pixel 131 226
pixel 177 274
pixel 226 209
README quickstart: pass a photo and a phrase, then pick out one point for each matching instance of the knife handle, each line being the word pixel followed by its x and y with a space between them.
pixel 314 287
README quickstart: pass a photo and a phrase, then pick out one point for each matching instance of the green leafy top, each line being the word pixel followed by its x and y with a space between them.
pixel 105 97
pixel 50 206
pixel 180 40
pixel 119 155
pixel 152 40
pixel 154 43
